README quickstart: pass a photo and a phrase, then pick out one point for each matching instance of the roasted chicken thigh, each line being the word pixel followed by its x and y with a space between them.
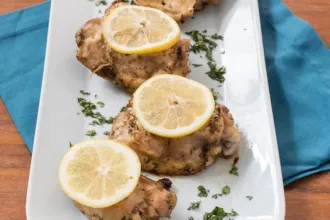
pixel 124 70
pixel 179 156
pixel 149 201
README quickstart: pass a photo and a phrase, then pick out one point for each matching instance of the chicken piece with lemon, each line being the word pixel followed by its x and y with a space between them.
pixel 175 127
pixel 130 44
pixel 103 178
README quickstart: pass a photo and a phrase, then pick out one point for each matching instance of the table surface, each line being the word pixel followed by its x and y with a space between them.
pixel 306 199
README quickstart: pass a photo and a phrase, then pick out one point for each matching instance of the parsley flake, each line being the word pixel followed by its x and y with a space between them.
pixel 225 190
pixel 233 213
pixel 197 65
pixel 250 197
pixel 101 104
pixel 190 218
pixel 91 133
pixel 84 92
pixel 101 2
pixel 202 191
pixel 215 94
pixel 106 133
pixel 234 170
pixel 194 205
pixel 70 144
pixel 123 109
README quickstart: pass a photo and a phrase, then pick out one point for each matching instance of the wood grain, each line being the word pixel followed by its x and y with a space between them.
pixel 306 199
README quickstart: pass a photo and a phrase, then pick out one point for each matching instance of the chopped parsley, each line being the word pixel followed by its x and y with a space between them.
pixel 123 109
pixel 101 2
pixel 207 44
pixel 215 72
pixel 190 218
pixel 106 133
pixel 91 133
pixel 234 170
pixel 233 213
pixel 197 65
pixel 70 144
pixel 96 96
pixel 88 108
pixel 194 205
pixel 250 197
pixel 218 214
pixel 202 191
pixel 217 37
pixel 95 122
pixel 226 190
pixel 84 92
pixel 101 104
pixel 215 196
pixel 215 94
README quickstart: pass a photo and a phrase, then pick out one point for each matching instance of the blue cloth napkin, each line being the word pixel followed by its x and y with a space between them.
pixel 298 65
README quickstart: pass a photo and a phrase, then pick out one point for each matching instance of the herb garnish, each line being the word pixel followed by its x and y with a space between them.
pixel 202 191
pixel 91 133
pixel 218 214
pixel 215 94
pixel 84 92
pixel 70 144
pixel 106 133
pixel 194 205
pixel 88 109
pixel 101 2
pixel 233 213
pixel 95 122
pixel 204 43
pixel 123 109
pixel 226 190
pixel 217 37
pixel 197 65
pixel 101 104
pixel 215 72
pixel 250 197
pixel 190 218
pixel 234 170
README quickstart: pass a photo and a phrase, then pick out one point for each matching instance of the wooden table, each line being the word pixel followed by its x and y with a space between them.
pixel 307 199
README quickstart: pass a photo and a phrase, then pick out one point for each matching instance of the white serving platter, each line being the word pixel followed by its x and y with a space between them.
pixel 245 92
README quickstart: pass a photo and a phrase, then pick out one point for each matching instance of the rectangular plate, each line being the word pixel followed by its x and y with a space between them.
pixel 245 92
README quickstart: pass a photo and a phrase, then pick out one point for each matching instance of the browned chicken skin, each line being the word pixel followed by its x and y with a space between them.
pixel 149 201
pixel 179 156
pixel 127 71
pixel 179 10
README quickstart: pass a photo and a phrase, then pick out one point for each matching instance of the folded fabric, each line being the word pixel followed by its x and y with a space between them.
pixel 298 66
pixel 23 37
pixel 298 70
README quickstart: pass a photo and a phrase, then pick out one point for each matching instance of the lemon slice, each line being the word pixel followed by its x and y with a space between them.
pixel 137 30
pixel 99 173
pixel 172 106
